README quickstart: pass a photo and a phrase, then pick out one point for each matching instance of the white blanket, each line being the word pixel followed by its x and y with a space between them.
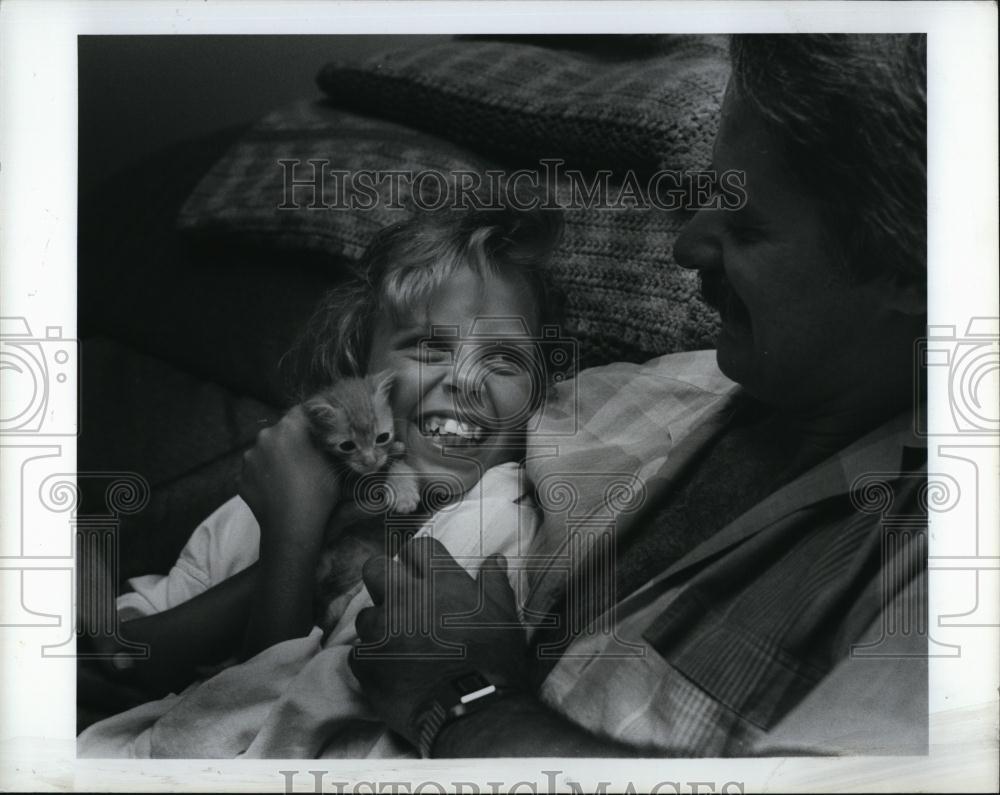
pixel 299 699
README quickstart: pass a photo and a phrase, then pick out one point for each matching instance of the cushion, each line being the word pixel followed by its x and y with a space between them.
pixel 626 298
pixel 644 104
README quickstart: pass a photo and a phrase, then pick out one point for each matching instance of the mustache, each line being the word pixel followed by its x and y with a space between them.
pixel 715 290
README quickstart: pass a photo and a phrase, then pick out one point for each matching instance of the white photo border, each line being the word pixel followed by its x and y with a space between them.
pixel 38 143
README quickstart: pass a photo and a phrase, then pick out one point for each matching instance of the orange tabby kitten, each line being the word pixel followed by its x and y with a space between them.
pixel 351 420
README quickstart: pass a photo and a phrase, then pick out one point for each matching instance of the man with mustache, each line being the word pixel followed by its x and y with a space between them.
pixel 750 599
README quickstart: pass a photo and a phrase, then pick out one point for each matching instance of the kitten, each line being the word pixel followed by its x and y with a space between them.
pixel 351 420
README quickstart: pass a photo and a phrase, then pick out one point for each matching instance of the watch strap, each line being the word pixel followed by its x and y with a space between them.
pixel 453 699
pixel 430 722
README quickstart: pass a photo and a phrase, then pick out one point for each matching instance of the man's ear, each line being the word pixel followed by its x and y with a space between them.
pixel 904 293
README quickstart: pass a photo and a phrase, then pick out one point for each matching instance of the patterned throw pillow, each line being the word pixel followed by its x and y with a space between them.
pixel 645 103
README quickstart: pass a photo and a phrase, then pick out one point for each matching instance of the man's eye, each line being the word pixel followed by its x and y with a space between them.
pixel 346 447
pixel 383 438
pixel 745 234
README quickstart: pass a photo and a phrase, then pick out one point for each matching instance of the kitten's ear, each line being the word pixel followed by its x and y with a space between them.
pixel 382 382
pixel 321 412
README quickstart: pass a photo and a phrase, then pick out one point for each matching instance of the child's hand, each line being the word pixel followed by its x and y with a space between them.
pixel 111 656
pixel 292 488
pixel 287 481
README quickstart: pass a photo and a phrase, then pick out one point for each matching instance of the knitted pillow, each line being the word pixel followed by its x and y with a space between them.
pixel 243 193
pixel 626 299
pixel 644 104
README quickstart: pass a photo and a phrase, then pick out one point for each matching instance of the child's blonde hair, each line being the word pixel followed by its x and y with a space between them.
pixel 406 263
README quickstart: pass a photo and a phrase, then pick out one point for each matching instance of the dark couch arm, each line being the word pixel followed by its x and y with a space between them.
pixel 221 310
pixel 180 347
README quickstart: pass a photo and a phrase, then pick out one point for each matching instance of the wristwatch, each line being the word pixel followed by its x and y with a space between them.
pixel 467 693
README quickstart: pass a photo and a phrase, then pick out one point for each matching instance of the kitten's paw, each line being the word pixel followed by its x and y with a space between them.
pixel 406 495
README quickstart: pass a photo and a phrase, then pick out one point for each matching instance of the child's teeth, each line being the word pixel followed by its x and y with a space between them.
pixel 447 425
pixel 472 432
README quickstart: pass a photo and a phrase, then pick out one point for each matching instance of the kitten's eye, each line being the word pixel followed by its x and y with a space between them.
pixel 383 438
pixel 346 447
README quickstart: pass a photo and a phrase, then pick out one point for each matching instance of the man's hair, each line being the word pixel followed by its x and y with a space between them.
pixel 404 266
pixel 852 113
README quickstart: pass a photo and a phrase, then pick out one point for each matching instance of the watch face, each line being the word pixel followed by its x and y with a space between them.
pixel 470 683
pixel 472 687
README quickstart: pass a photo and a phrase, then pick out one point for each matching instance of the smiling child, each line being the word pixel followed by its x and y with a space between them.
pixel 453 305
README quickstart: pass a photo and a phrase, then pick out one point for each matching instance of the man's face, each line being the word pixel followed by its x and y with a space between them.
pixel 461 398
pixel 797 330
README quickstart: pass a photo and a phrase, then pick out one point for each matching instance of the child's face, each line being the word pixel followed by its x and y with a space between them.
pixel 461 399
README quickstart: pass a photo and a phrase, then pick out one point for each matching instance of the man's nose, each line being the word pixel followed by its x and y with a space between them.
pixel 699 245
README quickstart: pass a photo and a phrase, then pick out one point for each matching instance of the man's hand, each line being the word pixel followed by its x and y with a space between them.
pixel 286 478
pixel 432 622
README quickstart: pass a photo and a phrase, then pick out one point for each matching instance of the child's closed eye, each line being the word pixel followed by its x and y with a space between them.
pixel 505 361
pixel 432 353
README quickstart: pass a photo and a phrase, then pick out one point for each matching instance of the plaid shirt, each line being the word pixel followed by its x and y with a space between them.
pixel 798 628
